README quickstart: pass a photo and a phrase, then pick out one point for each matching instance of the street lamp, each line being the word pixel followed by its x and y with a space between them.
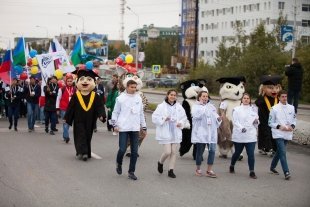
pixel 137 41
pixel 69 13
pixel 46 29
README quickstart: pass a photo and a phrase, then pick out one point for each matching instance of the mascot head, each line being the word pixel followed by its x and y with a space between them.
pixel 86 81
pixel 191 88
pixel 270 85
pixel 135 77
pixel 231 88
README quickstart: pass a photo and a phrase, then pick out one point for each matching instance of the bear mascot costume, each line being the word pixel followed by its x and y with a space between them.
pixel 84 108
pixel 268 97
pixel 190 90
pixel 231 91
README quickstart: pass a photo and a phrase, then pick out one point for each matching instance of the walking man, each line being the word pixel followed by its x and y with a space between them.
pixel 282 120
pixel 127 119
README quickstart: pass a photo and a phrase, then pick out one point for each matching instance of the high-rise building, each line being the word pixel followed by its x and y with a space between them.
pixel 217 20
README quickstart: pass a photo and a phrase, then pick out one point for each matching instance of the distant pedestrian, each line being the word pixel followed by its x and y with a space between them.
pixel 245 121
pixel 282 120
pixel 294 74
pixel 204 131
pixel 170 118
pixel 127 119
pixel 111 99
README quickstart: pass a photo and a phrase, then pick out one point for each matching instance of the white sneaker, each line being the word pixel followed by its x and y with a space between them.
pixel 114 133
pixel 36 126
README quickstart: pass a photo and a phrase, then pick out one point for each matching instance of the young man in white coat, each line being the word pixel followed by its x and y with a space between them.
pixel 282 120
pixel 127 119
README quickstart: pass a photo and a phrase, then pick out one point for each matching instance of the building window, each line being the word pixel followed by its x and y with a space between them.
pixel 305 39
pixel 257 7
pixel 231 24
pixel 265 5
pixel 224 11
pixel 281 5
pixel 306 7
pixel 202 26
pixel 232 10
pixel 269 5
pixel 206 39
pixel 202 53
pixel 212 12
pixel 212 53
pixel 305 23
pixel 201 39
pixel 244 8
pixel 207 26
pixel 250 7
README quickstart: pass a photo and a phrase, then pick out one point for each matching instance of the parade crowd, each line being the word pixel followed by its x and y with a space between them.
pixel 80 101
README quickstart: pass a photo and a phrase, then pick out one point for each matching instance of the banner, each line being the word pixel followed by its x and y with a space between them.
pixel 63 61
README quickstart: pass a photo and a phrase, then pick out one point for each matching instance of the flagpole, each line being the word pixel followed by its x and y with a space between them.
pixel 11 55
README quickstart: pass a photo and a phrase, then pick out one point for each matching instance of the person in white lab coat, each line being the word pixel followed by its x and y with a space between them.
pixel 204 131
pixel 169 118
pixel 245 121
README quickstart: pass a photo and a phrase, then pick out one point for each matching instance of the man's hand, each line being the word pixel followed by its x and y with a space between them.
pixel 116 129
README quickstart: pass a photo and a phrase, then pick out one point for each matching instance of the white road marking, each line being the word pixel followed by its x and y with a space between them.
pixel 96 156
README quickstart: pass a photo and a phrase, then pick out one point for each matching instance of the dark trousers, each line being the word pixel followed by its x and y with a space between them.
pixel 109 126
pixel 50 116
pixel 133 137
pixel 293 97
pixel 250 147
pixel 13 111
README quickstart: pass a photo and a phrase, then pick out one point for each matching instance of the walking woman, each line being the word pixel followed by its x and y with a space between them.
pixel 245 121
pixel 204 131
pixel 169 118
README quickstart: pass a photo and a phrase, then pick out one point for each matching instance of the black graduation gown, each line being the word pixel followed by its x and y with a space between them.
pixel 84 121
pixel 265 140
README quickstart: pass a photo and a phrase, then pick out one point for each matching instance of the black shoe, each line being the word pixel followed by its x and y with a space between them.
pixel 273 171
pixel 52 133
pixel 231 169
pixel 287 175
pixel 252 175
pixel 240 158
pixel 15 128
pixel 55 130
pixel 171 174
pixel 160 167
pixel 128 154
pixel 67 140
pixel 10 127
pixel 119 169
pixel 132 176
pixel 85 157
pixel 46 130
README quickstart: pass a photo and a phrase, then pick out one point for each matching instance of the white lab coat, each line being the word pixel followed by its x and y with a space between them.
pixel 282 115
pixel 167 131
pixel 244 117
pixel 205 123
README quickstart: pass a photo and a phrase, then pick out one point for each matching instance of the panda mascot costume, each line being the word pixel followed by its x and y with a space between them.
pixel 130 73
pixel 84 108
pixel 231 91
pixel 190 90
pixel 268 97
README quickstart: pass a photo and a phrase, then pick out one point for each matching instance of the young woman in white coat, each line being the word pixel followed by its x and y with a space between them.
pixel 204 131
pixel 169 118
pixel 245 121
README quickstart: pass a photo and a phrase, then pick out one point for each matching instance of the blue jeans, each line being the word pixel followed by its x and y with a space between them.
pixel 31 110
pixel 42 115
pixel 292 98
pixel 65 126
pixel 200 148
pixel 250 148
pixel 280 155
pixel 13 111
pixel 123 137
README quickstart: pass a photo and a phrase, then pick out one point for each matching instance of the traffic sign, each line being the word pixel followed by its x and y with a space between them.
pixel 287 33
pixel 156 69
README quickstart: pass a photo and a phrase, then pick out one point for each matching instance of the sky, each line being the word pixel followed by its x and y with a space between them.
pixel 39 18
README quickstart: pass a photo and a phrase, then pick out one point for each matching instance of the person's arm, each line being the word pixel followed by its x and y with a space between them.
pixel 236 121
pixel 158 117
pixel 115 113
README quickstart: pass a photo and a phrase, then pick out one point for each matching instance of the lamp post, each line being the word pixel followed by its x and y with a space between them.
pixel 72 14
pixel 46 29
pixel 137 40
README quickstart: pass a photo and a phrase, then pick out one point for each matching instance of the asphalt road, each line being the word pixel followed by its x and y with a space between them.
pixel 38 169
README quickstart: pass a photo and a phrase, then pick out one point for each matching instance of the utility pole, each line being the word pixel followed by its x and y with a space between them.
pixel 196 32
pixel 294 30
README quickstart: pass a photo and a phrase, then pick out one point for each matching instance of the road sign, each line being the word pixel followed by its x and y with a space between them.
pixel 287 33
pixel 156 69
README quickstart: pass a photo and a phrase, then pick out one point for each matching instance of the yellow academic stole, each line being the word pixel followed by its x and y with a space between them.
pixel 268 103
pixel 81 100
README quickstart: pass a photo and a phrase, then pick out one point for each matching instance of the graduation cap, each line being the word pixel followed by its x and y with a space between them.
pixel 270 79
pixel 84 72
pixel 233 80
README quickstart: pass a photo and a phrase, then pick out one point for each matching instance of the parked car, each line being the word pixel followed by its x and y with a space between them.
pixel 152 83
pixel 168 83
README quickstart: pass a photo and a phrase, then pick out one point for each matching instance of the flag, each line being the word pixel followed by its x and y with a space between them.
pixel 7 62
pixel 78 51
pixel 19 55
